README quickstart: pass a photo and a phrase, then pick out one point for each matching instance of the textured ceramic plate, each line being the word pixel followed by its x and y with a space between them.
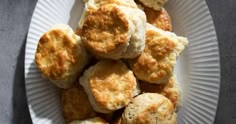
pixel 197 69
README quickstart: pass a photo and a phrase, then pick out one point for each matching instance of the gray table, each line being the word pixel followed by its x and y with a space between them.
pixel 15 16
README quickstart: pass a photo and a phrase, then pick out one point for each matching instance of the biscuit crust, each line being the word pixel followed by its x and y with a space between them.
pixel 110 32
pixel 60 56
pixel 110 85
pixel 94 5
pixel 75 104
pixel 170 90
pixel 51 61
pixel 149 108
pixel 154 4
pixel 105 30
pixel 156 63
pixel 159 19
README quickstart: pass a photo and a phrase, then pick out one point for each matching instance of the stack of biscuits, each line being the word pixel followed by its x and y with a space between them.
pixel 117 67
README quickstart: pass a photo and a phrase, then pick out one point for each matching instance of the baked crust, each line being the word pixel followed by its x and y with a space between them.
pixel 110 85
pixel 60 55
pixel 75 104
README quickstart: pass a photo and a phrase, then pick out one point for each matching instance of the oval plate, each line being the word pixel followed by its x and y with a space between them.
pixel 197 70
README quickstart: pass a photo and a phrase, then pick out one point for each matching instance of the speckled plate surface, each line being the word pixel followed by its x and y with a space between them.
pixel 197 70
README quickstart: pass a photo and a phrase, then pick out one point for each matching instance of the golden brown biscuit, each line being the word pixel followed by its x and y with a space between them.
pixel 159 19
pixel 94 5
pixel 110 32
pixel 75 104
pixel 154 4
pixel 96 120
pixel 149 108
pixel 61 56
pixel 110 85
pixel 156 63
pixel 170 90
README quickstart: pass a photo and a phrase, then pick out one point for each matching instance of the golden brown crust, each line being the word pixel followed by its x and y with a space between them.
pixel 149 108
pixel 154 65
pixel 52 60
pixel 154 4
pixel 105 30
pixel 112 77
pixel 170 90
pixel 159 47
pixel 110 85
pixel 61 56
pixel 159 19
pixel 93 5
pixel 78 31
pixel 75 104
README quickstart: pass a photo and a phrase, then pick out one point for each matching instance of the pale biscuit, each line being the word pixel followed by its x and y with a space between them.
pixel 156 63
pixel 110 32
pixel 170 90
pixel 149 108
pixel 96 120
pixel 61 56
pixel 110 85
pixel 154 4
pixel 75 104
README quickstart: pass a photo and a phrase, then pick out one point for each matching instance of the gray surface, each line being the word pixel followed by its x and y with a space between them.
pixel 15 16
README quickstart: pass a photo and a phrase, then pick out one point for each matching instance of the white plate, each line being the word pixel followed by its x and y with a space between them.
pixel 197 70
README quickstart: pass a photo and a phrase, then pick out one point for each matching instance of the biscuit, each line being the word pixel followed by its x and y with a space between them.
pixel 170 90
pixel 156 63
pixel 110 85
pixel 75 104
pixel 154 4
pixel 96 120
pixel 94 5
pixel 159 19
pixel 149 108
pixel 110 32
pixel 61 56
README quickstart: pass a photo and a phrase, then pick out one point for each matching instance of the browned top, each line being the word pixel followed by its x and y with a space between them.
pixel 154 113
pixel 98 3
pixel 169 90
pixel 105 29
pixel 57 49
pixel 149 108
pixel 159 19
pixel 112 84
pixel 75 104
pixel 157 45
pixel 153 64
